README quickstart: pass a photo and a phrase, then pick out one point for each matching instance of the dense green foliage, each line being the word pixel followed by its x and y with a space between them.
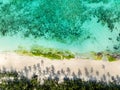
pixel 46 52
pixel 23 83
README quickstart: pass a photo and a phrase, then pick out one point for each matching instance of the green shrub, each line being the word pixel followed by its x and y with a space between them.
pixel 111 58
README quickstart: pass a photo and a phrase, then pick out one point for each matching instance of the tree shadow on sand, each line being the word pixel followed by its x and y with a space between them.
pixel 91 70
pixel 64 74
pixel 86 72
pixel 97 73
pixel 79 73
pixel 103 66
pixel 68 71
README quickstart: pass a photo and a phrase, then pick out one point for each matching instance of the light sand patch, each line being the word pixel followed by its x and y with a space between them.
pixel 86 68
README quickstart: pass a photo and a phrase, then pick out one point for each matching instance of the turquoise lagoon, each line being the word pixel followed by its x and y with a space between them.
pixel 77 25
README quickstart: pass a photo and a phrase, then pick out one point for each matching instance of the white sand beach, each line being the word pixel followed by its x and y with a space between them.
pixel 83 68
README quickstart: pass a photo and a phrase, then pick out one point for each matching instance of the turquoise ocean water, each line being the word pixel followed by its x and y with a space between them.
pixel 75 25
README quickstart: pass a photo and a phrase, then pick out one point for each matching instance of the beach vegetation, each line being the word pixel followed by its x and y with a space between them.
pixel 97 55
pixel 22 50
pixel 23 83
pixel 51 53
pixel 111 58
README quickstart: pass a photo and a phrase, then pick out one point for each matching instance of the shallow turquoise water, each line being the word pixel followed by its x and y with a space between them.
pixel 75 25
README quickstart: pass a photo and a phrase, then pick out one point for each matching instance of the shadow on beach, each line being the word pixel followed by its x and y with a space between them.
pixel 41 72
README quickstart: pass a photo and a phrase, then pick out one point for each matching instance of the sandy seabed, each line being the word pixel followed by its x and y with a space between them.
pixel 86 69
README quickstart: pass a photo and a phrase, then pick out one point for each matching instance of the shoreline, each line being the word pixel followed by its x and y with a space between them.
pixel 84 68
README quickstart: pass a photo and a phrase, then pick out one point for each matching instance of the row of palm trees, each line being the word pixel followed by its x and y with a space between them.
pixel 23 83
pixel 41 72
